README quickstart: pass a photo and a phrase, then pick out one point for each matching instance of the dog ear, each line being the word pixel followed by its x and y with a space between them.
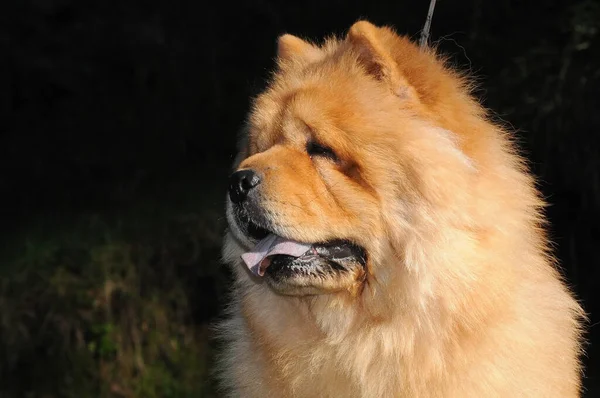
pixel 291 49
pixel 376 57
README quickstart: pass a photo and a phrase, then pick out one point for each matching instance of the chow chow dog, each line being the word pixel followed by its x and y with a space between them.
pixel 386 238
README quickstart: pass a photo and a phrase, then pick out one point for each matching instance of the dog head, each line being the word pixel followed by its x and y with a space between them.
pixel 344 153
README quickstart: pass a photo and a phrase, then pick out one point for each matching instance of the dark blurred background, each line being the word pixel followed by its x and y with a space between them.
pixel 118 122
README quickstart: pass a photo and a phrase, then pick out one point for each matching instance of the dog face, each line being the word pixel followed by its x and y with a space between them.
pixel 336 158
pixel 303 179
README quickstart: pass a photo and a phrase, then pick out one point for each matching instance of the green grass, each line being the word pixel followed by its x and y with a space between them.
pixel 113 304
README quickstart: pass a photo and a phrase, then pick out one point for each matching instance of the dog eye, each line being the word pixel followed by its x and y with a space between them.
pixel 315 149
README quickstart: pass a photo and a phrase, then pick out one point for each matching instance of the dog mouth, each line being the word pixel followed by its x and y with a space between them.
pixel 285 261
pixel 324 260
pixel 275 254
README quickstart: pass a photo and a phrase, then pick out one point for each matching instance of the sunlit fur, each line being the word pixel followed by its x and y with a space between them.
pixel 461 297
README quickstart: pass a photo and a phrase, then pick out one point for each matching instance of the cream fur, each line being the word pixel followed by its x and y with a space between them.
pixel 461 298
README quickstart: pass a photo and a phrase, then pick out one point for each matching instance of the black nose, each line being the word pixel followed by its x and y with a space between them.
pixel 241 183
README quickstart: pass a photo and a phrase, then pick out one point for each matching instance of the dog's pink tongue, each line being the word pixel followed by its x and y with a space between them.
pixel 258 259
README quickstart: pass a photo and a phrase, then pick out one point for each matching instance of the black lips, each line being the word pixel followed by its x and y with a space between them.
pixel 325 259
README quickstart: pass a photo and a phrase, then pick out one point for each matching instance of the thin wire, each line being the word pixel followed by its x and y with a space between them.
pixel 425 33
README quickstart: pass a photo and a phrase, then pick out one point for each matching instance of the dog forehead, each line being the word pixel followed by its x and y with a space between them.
pixel 277 114
pixel 324 80
pixel 326 101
